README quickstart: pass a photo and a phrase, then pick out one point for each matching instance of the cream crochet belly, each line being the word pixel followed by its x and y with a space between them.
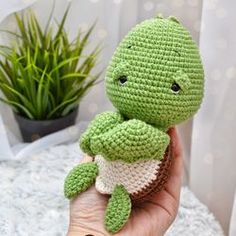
pixel 135 177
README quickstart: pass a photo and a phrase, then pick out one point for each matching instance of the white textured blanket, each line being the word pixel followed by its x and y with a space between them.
pixel 32 202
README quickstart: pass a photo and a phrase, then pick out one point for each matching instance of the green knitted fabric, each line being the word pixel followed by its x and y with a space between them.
pixel 155 80
pixel 118 209
pixel 79 179
pixel 131 141
pixel 145 68
pixel 101 124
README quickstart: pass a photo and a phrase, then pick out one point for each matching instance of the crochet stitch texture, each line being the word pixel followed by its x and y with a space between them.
pixel 155 80
pixel 154 55
pixel 79 179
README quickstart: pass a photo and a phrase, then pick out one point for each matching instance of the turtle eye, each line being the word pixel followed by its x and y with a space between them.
pixel 175 88
pixel 122 79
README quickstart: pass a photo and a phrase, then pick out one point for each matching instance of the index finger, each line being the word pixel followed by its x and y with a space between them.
pixel 86 159
pixel 174 182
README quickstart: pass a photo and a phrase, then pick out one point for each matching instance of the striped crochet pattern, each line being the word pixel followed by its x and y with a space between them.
pixel 155 80
pixel 133 176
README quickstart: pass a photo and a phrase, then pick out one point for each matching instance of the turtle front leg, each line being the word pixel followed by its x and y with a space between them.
pixel 118 209
pixel 79 179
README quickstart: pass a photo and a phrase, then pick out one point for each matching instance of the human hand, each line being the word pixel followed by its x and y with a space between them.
pixel 149 218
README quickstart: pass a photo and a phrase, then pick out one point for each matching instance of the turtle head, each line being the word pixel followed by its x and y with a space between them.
pixel 156 74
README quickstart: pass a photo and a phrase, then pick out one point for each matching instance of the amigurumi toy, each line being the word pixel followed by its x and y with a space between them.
pixel 155 80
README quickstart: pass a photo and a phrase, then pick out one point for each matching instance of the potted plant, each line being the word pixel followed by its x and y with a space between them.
pixel 44 75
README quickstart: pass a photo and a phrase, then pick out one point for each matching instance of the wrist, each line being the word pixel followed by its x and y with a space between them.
pixel 84 231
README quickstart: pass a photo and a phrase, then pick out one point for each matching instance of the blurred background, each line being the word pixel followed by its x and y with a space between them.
pixel 209 138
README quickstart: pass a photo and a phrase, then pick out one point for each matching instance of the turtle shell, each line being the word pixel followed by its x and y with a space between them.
pixel 141 179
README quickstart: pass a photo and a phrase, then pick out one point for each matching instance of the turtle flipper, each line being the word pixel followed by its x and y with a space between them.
pixel 101 124
pixel 118 209
pixel 131 141
pixel 79 179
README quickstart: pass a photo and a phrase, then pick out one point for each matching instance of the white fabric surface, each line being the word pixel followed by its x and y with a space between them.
pixel 32 201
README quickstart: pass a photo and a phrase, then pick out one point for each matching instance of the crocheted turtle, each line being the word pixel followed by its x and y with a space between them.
pixel 155 80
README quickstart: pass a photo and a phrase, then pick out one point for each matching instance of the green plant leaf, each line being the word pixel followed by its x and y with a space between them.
pixel 22 98
pixel 22 28
pixel 61 25
pixel 74 75
pixel 60 106
pixel 44 74
pixel 18 105
pixel 63 63
pixel 39 98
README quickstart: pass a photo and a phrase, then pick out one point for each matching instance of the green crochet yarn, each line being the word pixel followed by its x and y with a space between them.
pixel 155 80
pixel 130 141
pixel 118 209
pixel 101 124
pixel 151 58
pixel 80 179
